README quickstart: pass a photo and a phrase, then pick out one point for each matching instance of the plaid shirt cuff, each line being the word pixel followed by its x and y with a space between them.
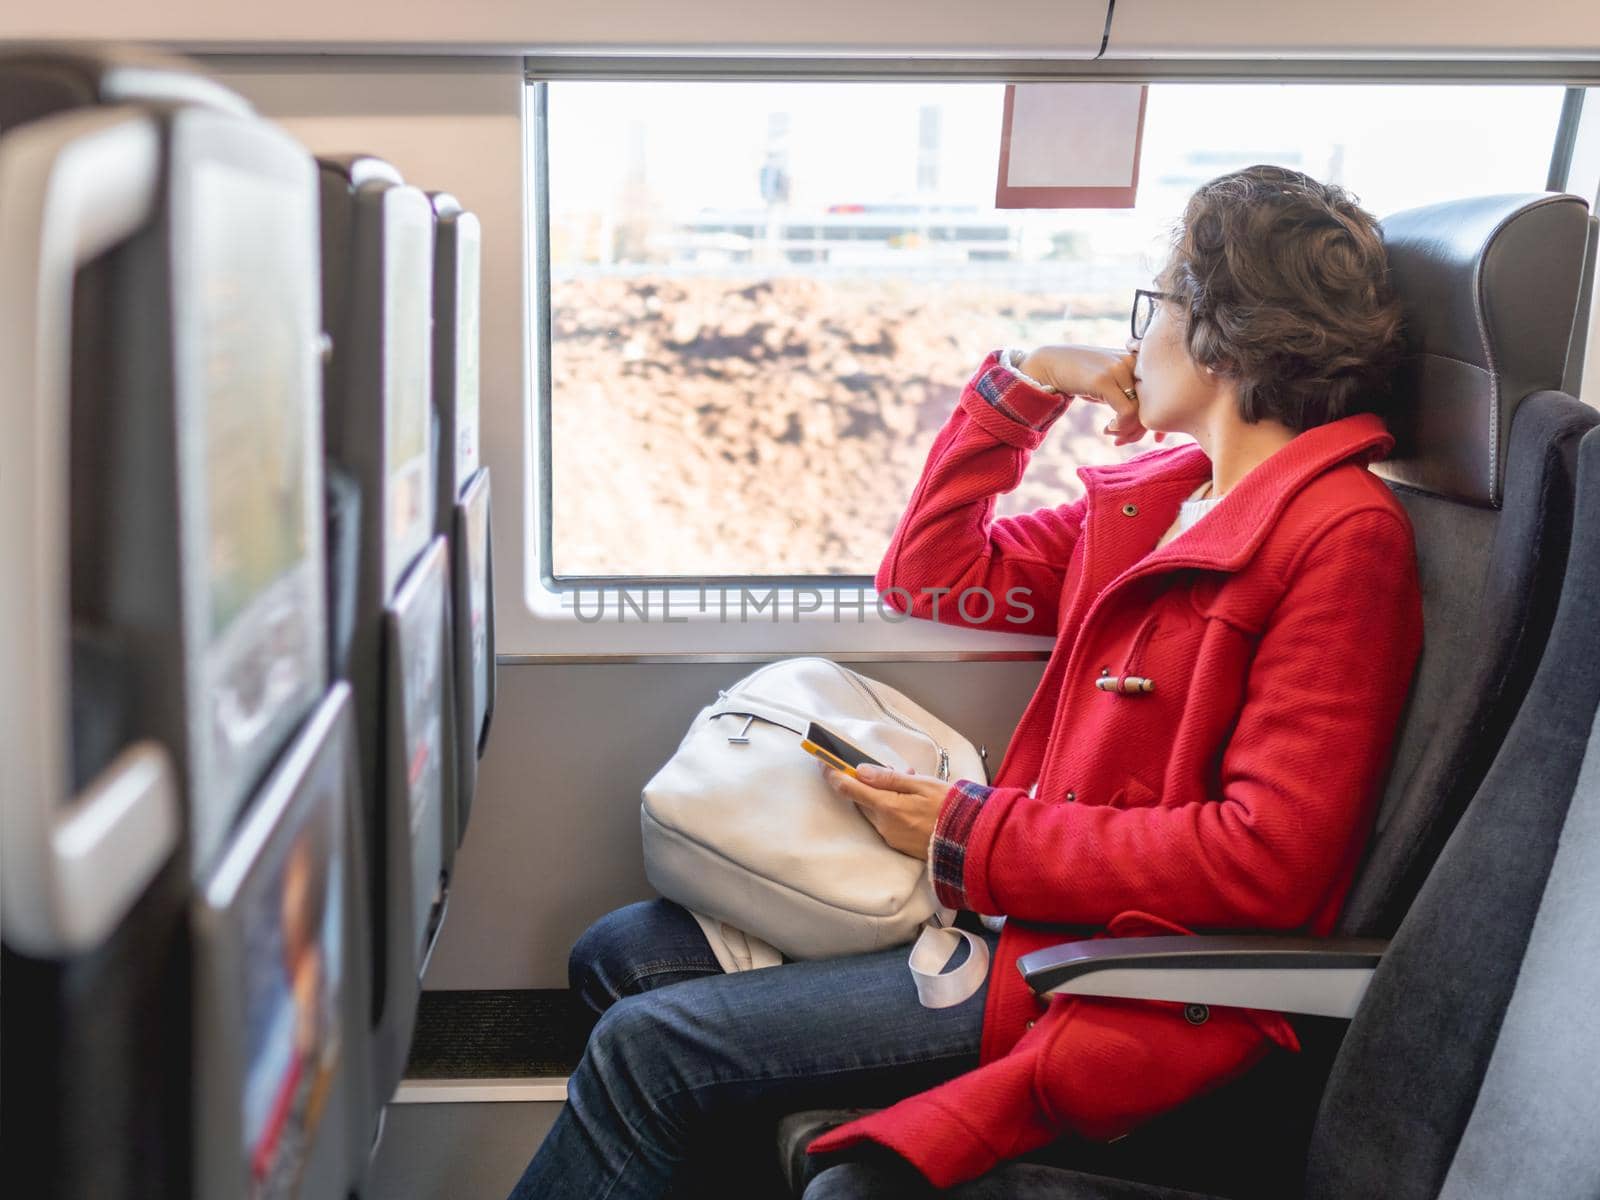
pixel 947 852
pixel 1015 396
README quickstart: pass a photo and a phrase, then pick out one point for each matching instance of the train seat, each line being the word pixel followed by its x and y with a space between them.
pixel 1485 464
pixel 1468 1069
pixel 463 494
pixel 159 292
pixel 378 258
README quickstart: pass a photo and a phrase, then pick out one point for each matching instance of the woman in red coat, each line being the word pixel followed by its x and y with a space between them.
pixel 1236 624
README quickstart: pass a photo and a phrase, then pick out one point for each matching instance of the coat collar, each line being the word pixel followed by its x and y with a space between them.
pixel 1157 483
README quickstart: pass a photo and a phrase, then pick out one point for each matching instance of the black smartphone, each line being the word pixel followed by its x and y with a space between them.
pixel 832 749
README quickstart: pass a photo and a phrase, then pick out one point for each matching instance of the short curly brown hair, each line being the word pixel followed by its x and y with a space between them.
pixel 1283 285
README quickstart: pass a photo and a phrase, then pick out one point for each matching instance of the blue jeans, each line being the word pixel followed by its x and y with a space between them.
pixel 681 1086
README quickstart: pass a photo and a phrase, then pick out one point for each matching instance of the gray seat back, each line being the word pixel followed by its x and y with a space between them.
pixel 1410 1068
pixel 462 503
pixel 1484 464
pixel 1532 1131
pixel 377 252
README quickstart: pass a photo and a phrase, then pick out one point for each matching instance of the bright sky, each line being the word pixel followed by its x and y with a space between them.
pixel 702 144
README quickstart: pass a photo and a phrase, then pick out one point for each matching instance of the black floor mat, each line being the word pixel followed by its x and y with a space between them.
pixel 497 1035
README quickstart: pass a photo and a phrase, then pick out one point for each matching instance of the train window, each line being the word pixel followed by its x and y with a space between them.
pixel 762 298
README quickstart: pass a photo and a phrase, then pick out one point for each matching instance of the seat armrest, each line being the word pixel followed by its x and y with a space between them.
pixel 1319 976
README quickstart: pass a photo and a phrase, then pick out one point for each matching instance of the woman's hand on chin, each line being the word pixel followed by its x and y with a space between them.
pixel 902 806
pixel 1095 373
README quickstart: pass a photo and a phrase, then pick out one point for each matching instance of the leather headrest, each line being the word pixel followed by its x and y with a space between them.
pixel 1489 287
pixel 358 170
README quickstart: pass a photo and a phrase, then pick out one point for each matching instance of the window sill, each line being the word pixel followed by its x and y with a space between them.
pixel 777 621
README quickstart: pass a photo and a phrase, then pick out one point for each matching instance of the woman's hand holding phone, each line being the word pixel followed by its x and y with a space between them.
pixel 902 805
pixel 1095 373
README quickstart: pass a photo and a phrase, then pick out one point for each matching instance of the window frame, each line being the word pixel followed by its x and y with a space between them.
pixel 539 178
pixel 555 599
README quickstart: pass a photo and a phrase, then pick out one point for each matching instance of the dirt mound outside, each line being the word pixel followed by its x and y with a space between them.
pixel 706 426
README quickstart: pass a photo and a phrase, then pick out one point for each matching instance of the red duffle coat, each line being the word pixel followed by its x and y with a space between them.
pixel 1279 635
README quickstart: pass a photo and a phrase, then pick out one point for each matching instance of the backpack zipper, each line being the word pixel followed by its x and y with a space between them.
pixel 861 686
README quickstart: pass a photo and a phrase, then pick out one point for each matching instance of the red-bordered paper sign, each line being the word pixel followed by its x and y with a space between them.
pixel 1071 145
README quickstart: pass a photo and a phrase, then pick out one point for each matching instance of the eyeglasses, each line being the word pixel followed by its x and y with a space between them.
pixel 1144 310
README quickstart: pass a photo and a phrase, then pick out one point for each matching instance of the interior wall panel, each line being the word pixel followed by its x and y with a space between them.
pixel 1070 28
pixel 554 840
